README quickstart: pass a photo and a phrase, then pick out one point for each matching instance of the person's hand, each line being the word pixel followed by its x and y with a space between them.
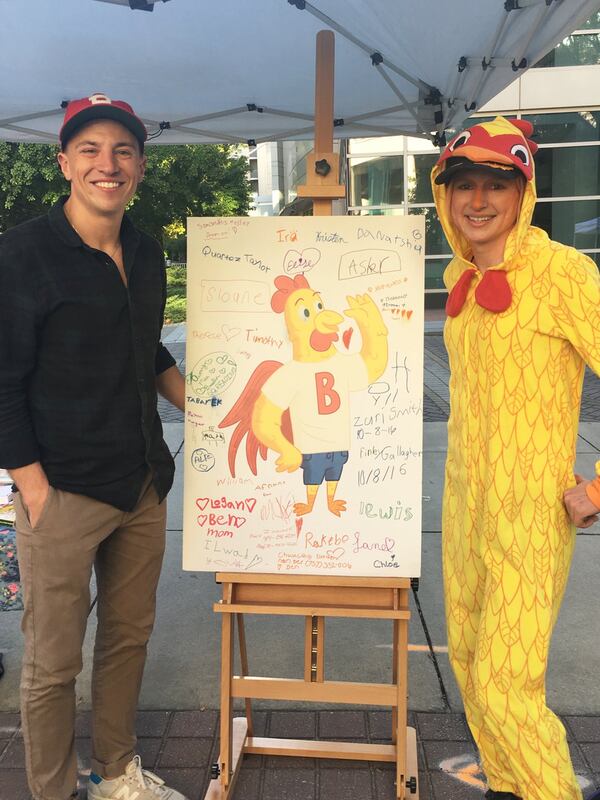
pixel 580 508
pixel 289 460
pixel 33 487
pixel 34 503
pixel 34 500
pixel 364 311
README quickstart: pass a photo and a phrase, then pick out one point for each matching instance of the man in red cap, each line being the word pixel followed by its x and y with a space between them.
pixel 81 358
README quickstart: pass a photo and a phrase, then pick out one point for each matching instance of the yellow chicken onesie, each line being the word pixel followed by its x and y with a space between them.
pixel 518 336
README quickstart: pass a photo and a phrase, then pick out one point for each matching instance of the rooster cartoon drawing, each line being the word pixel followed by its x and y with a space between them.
pixel 301 409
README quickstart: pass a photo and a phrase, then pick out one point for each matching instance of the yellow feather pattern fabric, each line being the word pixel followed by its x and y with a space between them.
pixel 515 389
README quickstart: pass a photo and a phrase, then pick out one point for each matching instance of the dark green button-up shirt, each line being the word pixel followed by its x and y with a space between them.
pixel 79 356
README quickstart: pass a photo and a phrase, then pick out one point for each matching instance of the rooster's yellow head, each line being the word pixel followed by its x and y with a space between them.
pixel 311 328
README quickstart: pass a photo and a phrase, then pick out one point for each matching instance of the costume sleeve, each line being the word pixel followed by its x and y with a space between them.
pixel 19 320
pixel 164 360
pixel 574 303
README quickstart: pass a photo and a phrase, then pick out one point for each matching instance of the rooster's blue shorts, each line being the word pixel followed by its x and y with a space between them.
pixel 318 467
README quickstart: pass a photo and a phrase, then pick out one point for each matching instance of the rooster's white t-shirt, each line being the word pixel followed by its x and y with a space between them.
pixel 318 397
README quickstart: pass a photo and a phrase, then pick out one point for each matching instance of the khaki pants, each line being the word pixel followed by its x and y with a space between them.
pixel 56 557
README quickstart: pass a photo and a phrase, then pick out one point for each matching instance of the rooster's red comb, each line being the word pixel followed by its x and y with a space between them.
pixel 285 286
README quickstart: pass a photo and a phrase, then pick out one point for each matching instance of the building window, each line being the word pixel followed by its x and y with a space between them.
pixel 434 273
pixel 378 212
pixel 593 22
pixel 571 126
pixel 435 241
pixel 572 222
pixel 574 51
pixel 377 181
pixel 582 47
pixel 567 171
pixel 418 169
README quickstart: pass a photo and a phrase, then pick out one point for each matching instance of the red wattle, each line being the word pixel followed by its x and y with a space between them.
pixel 458 295
pixel 493 292
pixel 322 341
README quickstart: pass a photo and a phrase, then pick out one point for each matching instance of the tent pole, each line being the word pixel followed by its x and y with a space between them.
pixel 322 165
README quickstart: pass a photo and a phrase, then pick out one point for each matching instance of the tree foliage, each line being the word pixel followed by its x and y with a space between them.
pixel 30 181
pixel 181 181
pixel 192 180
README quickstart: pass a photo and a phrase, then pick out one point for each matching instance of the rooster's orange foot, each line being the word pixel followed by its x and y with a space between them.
pixel 302 508
pixel 336 506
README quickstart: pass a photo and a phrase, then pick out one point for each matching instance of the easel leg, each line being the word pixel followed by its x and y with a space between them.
pixel 395 677
pixel 226 704
pixel 233 731
pixel 401 657
pixel 244 667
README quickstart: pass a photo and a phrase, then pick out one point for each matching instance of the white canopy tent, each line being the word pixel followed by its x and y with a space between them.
pixel 243 70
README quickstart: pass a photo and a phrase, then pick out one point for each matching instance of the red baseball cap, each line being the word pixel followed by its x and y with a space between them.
pixel 99 106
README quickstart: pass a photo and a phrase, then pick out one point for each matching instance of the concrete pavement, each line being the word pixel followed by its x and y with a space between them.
pixel 182 674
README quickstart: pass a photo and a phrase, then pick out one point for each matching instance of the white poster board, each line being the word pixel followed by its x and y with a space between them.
pixel 303 427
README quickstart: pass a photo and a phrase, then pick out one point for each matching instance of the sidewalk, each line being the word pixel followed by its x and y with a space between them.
pixel 181 745
pixel 180 741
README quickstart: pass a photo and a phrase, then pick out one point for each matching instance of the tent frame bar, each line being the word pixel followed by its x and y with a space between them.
pixel 491 61
pixel 371 51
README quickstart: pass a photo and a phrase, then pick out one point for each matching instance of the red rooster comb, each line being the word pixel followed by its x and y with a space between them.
pixel 285 286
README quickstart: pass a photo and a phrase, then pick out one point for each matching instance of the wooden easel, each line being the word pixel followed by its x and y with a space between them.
pixel 314 597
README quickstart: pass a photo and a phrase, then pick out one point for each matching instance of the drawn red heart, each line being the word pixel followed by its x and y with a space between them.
pixel 202 502
pixel 346 336
pixel 337 553
pixel 202 520
pixel 250 503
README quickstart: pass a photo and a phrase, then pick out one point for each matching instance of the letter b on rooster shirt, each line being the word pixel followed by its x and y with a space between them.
pixel 318 397
pixel 328 400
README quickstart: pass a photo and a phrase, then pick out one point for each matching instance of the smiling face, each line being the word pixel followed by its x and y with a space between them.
pixel 484 208
pixel 104 164
pixel 311 329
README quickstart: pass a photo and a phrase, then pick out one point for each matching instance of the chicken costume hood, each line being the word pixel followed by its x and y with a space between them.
pixel 502 147
pixel 518 336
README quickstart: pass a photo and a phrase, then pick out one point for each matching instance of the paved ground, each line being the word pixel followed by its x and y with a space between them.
pixel 181 745
pixel 182 675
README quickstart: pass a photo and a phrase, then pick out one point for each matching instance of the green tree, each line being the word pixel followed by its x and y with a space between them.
pixel 192 180
pixel 181 181
pixel 30 181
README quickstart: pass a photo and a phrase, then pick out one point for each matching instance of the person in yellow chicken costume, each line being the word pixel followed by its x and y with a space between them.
pixel 523 319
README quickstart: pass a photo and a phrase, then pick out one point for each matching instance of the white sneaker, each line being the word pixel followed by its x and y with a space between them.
pixel 135 784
